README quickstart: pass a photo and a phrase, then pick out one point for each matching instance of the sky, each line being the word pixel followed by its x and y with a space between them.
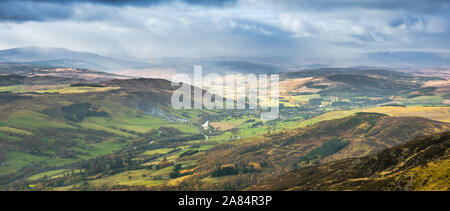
pixel 325 31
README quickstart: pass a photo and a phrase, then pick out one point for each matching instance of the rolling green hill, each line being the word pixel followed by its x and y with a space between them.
pixel 53 129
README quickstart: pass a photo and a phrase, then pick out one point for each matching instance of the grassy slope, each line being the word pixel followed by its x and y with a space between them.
pixel 433 113
pixel 17 160
pixel 420 164
pixel 49 174
pixel 27 119
pixel 433 176
pixel 33 120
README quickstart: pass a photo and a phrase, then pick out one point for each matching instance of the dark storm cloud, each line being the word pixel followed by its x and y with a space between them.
pixel 317 31
pixel 141 2
pixel 44 10
pixel 28 10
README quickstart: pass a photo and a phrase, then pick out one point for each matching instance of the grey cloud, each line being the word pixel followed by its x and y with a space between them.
pixel 27 10
pixel 47 10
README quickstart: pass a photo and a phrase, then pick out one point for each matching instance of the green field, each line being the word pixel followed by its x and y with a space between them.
pixel 12 88
pixel 14 130
pixel 99 149
pixel 17 160
pixel 48 174
pixel 425 100
pixel 304 98
pixel 32 120
pixel 158 151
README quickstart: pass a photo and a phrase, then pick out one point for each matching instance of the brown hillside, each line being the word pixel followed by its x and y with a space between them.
pixel 420 164
pixel 365 133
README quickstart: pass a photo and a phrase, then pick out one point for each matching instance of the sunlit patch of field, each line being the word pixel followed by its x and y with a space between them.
pixel 327 116
pixel 15 130
pixel 304 98
pixel 437 83
pixel 285 86
pixel 215 180
pixel 49 174
pixel 12 89
pixel 286 104
pixel 65 188
pixel 433 113
pixel 158 151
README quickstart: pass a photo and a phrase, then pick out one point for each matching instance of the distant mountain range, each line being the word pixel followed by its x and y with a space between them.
pixel 60 57
pixel 409 57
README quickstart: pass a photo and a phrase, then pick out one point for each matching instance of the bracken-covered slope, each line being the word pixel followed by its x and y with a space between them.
pixel 364 133
pixel 420 164
pixel 358 135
